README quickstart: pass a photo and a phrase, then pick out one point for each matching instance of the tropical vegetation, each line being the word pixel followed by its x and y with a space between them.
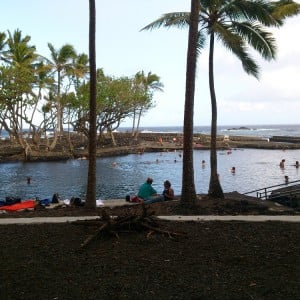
pixel 240 25
pixel 39 95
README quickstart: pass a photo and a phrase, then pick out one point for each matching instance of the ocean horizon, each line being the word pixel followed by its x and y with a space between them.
pixel 263 131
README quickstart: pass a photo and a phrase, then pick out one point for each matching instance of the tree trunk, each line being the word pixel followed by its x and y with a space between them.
pixel 133 124
pixel 188 193
pixel 111 133
pixel 92 172
pixel 138 124
pixel 215 189
pixel 58 104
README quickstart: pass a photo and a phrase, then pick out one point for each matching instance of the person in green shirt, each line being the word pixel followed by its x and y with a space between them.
pixel 148 194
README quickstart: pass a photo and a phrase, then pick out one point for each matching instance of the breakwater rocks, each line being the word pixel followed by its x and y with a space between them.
pixel 76 146
pixel 286 139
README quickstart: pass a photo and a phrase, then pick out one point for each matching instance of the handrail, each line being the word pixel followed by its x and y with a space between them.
pixel 262 193
pixel 286 193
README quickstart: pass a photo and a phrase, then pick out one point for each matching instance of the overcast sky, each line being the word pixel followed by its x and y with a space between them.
pixel 123 50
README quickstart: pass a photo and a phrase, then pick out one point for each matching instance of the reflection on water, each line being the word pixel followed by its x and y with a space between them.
pixel 118 176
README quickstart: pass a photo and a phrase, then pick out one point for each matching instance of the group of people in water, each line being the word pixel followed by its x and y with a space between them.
pixel 147 194
pixel 282 166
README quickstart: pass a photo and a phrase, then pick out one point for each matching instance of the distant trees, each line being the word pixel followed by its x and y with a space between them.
pixel 42 94
pixel 17 80
pixel 117 99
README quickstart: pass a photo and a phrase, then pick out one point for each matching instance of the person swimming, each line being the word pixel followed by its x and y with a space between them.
pixel 281 164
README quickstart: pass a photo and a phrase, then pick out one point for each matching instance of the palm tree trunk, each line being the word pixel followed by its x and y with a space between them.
pixel 138 124
pixel 133 123
pixel 59 116
pixel 188 193
pixel 92 172
pixel 215 189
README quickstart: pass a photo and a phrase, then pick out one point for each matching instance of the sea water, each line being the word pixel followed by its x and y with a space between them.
pixel 119 176
pixel 263 131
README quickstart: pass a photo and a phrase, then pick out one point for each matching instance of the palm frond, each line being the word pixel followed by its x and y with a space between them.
pixel 257 10
pixel 201 42
pixel 175 19
pixel 262 41
pixel 237 46
pixel 284 9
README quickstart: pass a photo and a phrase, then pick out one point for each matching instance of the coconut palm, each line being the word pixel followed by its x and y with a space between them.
pixel 188 193
pixel 61 63
pixel 146 86
pixel 21 58
pixel 238 25
pixel 20 53
pixel 80 69
pixel 91 182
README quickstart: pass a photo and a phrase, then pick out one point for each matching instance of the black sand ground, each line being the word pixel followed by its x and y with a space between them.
pixel 213 260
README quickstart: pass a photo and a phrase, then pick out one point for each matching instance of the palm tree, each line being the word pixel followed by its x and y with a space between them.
pixel 91 182
pixel 238 24
pixel 80 69
pixel 61 63
pixel 188 193
pixel 146 86
pixel 22 58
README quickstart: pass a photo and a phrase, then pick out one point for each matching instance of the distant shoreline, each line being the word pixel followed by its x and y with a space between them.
pixel 146 142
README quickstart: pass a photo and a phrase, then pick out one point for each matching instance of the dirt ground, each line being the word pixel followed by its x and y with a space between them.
pixel 206 260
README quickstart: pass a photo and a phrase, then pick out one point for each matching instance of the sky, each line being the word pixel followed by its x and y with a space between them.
pixel 122 49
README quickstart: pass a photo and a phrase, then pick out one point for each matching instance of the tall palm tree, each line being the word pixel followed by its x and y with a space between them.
pixel 91 182
pixel 20 53
pixel 80 69
pixel 61 63
pixel 146 86
pixel 188 193
pixel 238 24
pixel 22 58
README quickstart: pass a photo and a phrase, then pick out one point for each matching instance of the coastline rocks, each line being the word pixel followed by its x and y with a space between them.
pixel 240 128
pixel 126 144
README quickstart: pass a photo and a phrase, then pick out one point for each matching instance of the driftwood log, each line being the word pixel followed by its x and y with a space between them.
pixel 133 222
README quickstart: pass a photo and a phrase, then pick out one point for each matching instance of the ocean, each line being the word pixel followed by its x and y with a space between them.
pixel 263 131
pixel 119 176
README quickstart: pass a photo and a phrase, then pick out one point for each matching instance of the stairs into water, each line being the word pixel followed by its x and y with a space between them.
pixel 285 194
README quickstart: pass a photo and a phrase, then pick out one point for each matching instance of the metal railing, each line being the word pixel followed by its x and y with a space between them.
pixel 265 192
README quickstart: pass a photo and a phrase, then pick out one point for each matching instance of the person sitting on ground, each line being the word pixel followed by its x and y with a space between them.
pixel 146 190
pixel 168 192
pixel 55 198
pixel 147 194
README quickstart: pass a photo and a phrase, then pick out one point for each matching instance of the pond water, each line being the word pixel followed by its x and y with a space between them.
pixel 118 176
